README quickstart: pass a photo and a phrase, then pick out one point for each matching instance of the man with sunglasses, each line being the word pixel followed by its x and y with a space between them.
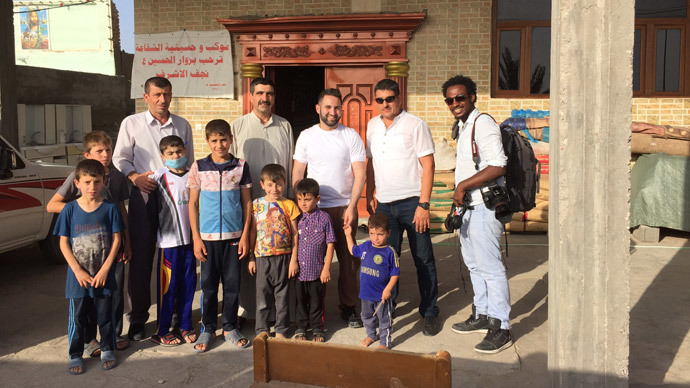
pixel 400 167
pixel 480 233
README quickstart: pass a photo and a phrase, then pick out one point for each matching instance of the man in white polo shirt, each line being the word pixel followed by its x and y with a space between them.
pixel 137 155
pixel 401 169
pixel 336 159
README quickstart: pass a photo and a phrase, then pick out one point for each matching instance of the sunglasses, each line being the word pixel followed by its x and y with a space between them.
pixel 388 99
pixel 458 98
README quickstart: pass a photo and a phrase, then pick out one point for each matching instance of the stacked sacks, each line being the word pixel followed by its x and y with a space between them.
pixel 537 219
pixel 441 199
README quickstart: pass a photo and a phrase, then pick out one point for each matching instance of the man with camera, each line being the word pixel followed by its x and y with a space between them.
pixel 479 191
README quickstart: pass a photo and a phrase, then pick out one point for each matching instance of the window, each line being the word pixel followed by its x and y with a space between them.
pixel 522 65
pixel 522 48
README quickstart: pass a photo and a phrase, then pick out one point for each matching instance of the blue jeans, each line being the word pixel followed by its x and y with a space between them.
pixel 480 244
pixel 401 214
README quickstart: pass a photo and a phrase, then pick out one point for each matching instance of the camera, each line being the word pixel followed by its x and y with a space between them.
pixel 496 197
pixel 454 218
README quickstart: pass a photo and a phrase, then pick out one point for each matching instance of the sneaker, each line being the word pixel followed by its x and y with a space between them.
pixel 496 339
pixel 472 325
pixel 136 332
pixel 430 327
pixel 349 314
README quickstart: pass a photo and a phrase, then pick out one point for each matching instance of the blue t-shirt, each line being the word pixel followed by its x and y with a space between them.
pixel 91 237
pixel 379 264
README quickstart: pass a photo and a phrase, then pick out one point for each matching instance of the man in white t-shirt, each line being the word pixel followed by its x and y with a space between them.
pixel 401 169
pixel 336 159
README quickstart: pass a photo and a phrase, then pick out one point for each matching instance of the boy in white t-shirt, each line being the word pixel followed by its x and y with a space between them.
pixel 176 261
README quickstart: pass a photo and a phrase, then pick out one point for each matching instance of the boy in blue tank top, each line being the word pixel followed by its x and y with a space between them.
pixel 378 274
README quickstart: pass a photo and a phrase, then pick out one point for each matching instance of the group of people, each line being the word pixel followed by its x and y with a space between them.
pixel 235 212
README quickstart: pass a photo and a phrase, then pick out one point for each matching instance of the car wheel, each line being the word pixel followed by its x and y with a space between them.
pixel 50 246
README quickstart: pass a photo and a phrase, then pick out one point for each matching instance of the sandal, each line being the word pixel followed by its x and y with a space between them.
pixel 76 363
pixel 121 344
pixel 107 357
pixel 300 334
pixel 235 336
pixel 93 349
pixel 189 336
pixel 318 335
pixel 169 339
pixel 205 338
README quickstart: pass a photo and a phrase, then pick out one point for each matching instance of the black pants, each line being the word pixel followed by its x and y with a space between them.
pixel 310 301
pixel 272 291
pixel 222 265
pixel 78 321
pixel 142 234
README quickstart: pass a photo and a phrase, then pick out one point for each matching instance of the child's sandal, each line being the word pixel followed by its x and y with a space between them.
pixel 300 335
pixel 318 336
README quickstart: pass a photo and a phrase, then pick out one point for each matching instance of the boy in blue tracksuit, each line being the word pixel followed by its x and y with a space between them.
pixel 219 211
pixel 378 274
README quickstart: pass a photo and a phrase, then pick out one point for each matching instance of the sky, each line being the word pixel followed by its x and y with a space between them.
pixel 126 10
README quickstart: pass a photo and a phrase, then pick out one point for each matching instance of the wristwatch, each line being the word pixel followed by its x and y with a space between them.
pixel 424 205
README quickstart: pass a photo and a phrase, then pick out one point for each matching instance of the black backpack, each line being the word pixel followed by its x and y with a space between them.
pixel 522 171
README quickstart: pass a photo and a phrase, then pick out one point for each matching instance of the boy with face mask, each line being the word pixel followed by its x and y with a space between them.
pixel 176 261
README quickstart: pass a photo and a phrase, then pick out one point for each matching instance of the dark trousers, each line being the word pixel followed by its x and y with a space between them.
pixel 348 265
pixel 176 286
pixel 272 291
pixel 78 320
pixel 384 314
pixel 142 234
pixel 310 301
pixel 401 214
pixel 222 265
pixel 91 328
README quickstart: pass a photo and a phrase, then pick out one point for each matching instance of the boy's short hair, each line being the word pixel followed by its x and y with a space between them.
pixel 273 172
pixel 90 167
pixel 387 84
pixel 218 127
pixel 170 141
pixel 379 221
pixel 307 186
pixel 95 138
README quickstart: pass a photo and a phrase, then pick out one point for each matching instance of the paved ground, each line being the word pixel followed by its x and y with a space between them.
pixel 33 343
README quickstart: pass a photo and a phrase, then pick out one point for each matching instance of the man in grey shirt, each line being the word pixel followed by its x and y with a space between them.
pixel 260 138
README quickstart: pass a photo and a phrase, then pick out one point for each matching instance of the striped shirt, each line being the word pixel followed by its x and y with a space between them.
pixel 315 233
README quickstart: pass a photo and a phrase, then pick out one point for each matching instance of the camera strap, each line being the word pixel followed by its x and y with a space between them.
pixel 473 146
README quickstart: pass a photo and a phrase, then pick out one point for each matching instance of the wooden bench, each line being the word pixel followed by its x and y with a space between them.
pixel 334 365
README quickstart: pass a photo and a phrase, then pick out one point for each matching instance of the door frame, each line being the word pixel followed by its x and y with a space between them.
pixel 325 40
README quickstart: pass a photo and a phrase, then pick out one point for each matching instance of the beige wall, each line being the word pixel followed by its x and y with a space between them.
pixel 455 38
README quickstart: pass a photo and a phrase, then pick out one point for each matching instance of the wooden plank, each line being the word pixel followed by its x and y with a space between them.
pixel 347 366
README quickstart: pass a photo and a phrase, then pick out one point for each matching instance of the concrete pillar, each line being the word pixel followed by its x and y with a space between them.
pixel 591 102
pixel 8 75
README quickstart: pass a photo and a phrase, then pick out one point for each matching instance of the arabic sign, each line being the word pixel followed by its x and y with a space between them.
pixel 197 63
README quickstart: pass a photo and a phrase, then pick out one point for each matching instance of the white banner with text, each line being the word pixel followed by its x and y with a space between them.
pixel 197 63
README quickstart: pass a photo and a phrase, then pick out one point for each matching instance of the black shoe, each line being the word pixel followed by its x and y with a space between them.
pixel 496 339
pixel 349 314
pixel 430 326
pixel 136 332
pixel 472 325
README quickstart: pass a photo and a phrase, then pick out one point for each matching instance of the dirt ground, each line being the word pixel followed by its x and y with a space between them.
pixel 33 340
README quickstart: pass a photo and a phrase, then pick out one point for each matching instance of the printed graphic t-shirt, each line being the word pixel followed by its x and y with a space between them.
pixel 91 239
pixel 273 232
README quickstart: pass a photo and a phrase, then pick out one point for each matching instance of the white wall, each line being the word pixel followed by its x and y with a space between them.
pixel 76 37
